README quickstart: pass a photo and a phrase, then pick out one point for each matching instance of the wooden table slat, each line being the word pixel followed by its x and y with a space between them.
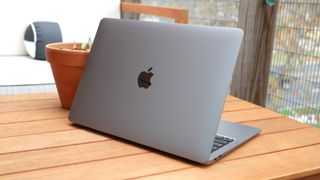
pixel 276 142
pixel 66 155
pixel 276 125
pixel 48 140
pixel 35 127
pixel 34 115
pixel 113 168
pixel 238 106
pixel 289 164
pixel 232 98
pixel 249 115
pixel 29 105
pixel 28 97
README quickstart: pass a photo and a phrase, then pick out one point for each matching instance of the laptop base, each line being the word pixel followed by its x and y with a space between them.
pixel 240 133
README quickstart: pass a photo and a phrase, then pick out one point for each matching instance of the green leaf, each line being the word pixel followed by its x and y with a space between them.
pixel 271 2
pixel 89 43
pixel 83 45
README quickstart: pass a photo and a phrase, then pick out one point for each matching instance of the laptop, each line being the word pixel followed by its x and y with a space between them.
pixel 162 85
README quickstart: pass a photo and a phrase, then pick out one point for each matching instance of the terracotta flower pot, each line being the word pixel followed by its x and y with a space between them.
pixel 67 66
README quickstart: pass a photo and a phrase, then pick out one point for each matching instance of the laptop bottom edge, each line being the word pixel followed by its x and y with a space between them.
pixel 237 132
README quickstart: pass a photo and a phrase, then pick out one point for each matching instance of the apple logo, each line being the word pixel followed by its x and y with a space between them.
pixel 144 79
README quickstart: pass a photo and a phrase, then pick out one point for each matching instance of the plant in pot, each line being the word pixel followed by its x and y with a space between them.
pixel 67 62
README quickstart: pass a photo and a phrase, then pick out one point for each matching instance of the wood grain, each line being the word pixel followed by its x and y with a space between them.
pixel 288 164
pixel 47 140
pixel 232 98
pixel 32 115
pixel 28 97
pixel 238 105
pixel 274 125
pixel 165 167
pixel 269 143
pixel 112 168
pixel 249 115
pixel 29 105
pixel 66 155
pixel 59 154
pixel 312 177
pixel 38 142
pixel 35 127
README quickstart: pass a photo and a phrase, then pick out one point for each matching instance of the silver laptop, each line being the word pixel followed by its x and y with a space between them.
pixel 162 85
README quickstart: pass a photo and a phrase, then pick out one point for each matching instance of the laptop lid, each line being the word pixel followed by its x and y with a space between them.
pixel 178 110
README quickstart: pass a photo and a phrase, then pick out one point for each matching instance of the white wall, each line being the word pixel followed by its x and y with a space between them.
pixel 78 19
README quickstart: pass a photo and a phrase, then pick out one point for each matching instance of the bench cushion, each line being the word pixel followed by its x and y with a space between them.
pixel 23 70
pixel 78 19
pixel 38 34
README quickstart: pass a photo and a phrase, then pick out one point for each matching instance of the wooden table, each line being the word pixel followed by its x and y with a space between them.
pixel 38 142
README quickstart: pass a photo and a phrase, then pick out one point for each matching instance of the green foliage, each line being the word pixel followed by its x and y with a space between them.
pixel 86 46
pixel 286 112
pixel 271 2
pixel 301 111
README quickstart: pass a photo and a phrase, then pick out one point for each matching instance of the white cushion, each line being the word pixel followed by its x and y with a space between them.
pixel 22 70
pixel 78 19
